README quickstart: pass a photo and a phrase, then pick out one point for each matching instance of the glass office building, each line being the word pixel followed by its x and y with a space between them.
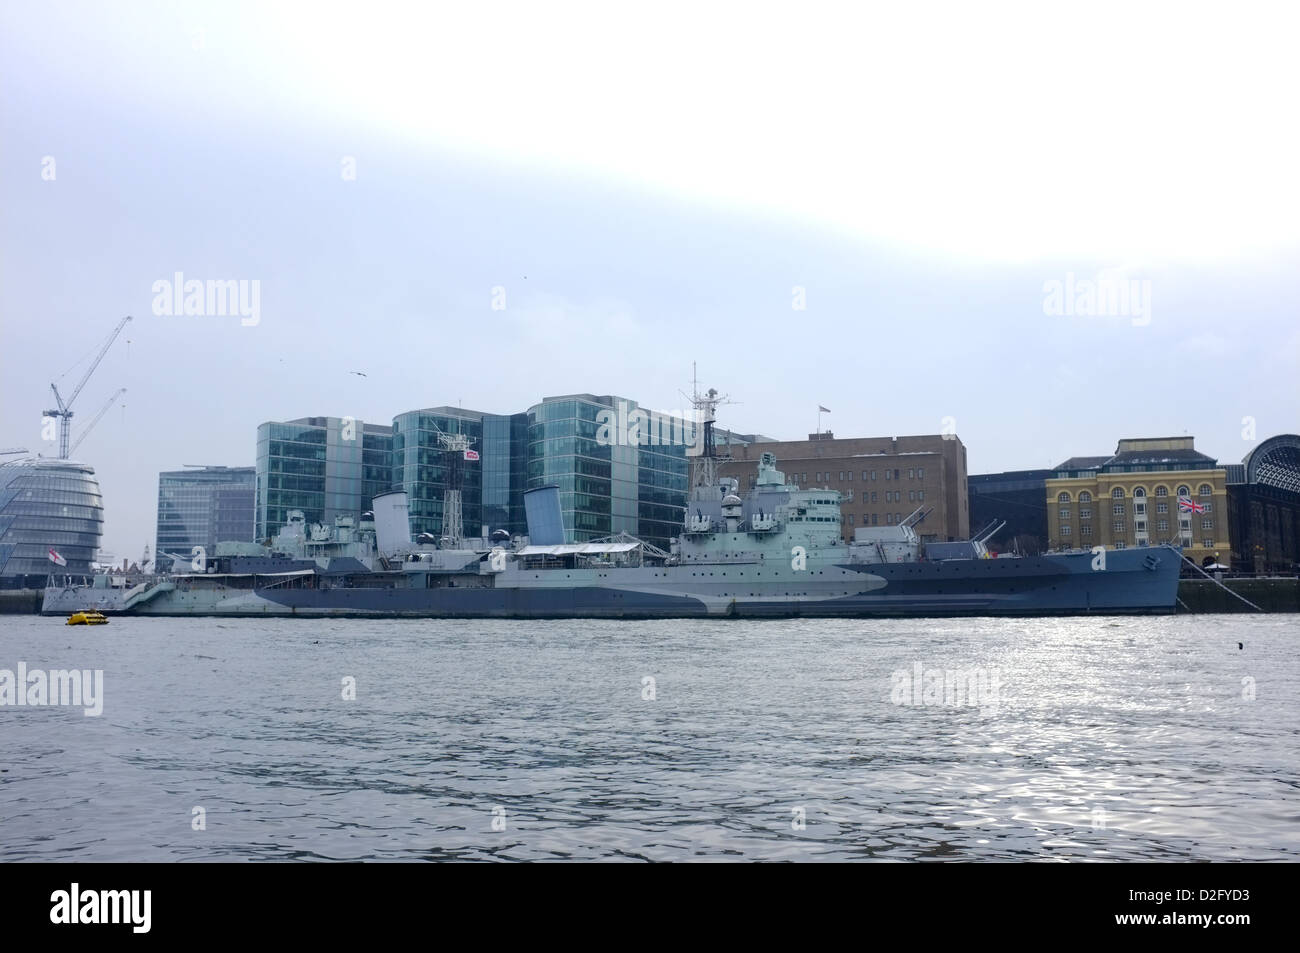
pixel 44 505
pixel 619 468
pixel 203 506
pixel 324 466
pixel 492 487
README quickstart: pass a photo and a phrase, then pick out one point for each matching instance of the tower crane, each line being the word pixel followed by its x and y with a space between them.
pixel 64 411
pixel 91 426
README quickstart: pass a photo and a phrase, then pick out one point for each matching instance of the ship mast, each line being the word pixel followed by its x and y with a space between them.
pixel 704 452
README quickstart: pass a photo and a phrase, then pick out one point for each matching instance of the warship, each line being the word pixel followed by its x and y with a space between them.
pixel 775 552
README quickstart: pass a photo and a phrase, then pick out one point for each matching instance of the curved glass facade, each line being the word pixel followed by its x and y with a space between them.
pixel 614 474
pixel 44 505
pixel 324 466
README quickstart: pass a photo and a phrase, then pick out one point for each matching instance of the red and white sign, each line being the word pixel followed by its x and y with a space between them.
pixel 56 558
pixel 471 454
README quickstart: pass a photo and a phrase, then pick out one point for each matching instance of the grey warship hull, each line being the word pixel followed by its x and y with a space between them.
pixel 1132 582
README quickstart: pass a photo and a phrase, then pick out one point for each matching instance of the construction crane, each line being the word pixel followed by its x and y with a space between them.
pixel 64 411
pixel 91 426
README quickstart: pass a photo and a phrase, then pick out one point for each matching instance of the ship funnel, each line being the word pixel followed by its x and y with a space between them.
pixel 545 520
pixel 392 523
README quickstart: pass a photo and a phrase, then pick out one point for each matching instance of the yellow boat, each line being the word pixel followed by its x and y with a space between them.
pixel 87 618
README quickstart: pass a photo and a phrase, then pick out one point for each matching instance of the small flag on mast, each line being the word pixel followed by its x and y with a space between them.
pixel 823 410
pixel 56 558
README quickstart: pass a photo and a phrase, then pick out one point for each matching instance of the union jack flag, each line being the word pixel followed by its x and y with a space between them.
pixel 1187 505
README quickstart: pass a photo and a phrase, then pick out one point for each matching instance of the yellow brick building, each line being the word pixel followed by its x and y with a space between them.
pixel 1131 499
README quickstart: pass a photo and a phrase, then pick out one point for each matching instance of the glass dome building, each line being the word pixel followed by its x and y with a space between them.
pixel 47 504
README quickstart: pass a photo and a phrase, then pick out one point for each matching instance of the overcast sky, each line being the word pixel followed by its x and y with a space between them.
pixel 863 210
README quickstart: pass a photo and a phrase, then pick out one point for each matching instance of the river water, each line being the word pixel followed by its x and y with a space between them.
pixel 973 739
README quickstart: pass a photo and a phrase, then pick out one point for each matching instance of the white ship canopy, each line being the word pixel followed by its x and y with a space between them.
pixel 577 549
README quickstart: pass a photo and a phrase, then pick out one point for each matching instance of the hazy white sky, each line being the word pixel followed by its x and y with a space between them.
pixel 649 184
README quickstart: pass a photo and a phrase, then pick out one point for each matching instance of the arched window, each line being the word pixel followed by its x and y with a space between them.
pixel 1184 490
pixel 1117 493
pixel 1063 497
pixel 1085 497
pixel 1139 493
pixel 1162 491
pixel 1206 489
